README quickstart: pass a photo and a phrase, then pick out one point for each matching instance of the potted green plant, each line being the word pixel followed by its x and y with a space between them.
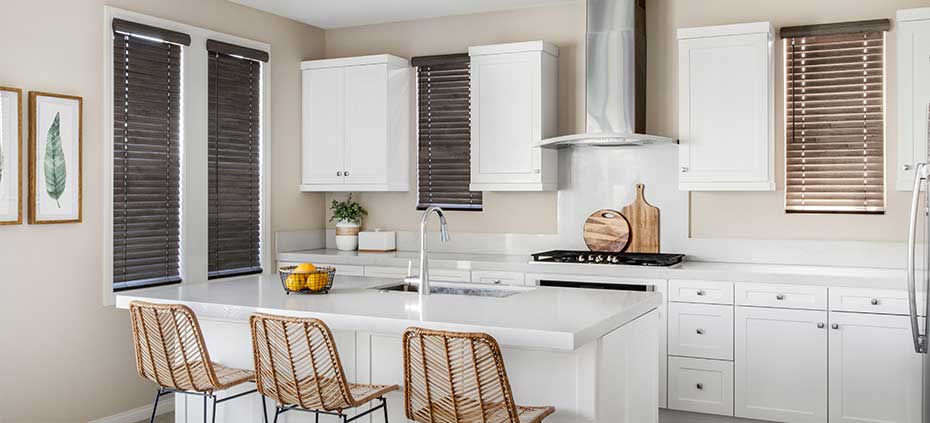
pixel 348 216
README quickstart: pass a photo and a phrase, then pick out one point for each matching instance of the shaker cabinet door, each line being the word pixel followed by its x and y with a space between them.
pixel 366 125
pixel 323 126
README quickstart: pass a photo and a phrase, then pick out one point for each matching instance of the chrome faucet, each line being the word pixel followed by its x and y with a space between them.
pixel 423 279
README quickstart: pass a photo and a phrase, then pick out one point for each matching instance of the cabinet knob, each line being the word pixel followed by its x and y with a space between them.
pixel 700 386
pixel 821 325
pixel 346 173
pixel 700 331
pixel 701 292
pixel 338 173
pixel 835 326
pixel 536 170
pixel 497 281
pixel 875 301
pixel 684 169
pixel 906 167
pixel 780 297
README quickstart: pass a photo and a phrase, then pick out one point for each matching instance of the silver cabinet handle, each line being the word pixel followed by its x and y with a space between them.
pixel 821 325
pixel 338 173
pixel 700 386
pixel 875 301
pixel 780 297
pixel 701 293
pixel 684 169
pixel 906 167
pixel 920 340
pixel 497 281
pixel 346 173
pixel 700 331
pixel 536 171
pixel 835 326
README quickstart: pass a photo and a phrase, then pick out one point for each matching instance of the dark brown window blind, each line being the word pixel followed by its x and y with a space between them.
pixel 146 156
pixel 835 118
pixel 444 132
pixel 234 161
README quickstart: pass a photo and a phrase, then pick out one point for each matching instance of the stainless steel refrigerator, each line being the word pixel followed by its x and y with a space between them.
pixel 918 270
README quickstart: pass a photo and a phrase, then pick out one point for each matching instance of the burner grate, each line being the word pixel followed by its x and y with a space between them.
pixel 595 257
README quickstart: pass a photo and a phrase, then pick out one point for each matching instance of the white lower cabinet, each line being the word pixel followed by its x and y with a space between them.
pixel 781 365
pixel 875 376
pixel 701 386
pixel 492 277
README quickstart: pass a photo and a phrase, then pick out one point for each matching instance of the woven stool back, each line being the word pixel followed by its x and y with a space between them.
pixel 169 346
pixel 296 363
pixel 452 377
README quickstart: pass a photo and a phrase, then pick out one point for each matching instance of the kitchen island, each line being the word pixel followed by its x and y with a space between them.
pixel 592 354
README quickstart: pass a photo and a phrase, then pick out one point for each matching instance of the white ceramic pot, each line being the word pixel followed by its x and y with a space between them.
pixel 347 235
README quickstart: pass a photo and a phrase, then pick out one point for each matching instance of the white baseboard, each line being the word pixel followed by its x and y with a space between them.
pixel 143 413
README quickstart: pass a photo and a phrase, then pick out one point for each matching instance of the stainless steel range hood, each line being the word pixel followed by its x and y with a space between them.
pixel 615 78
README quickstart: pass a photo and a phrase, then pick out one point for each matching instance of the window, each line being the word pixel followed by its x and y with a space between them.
pixel 444 133
pixel 234 162
pixel 146 154
pixel 834 117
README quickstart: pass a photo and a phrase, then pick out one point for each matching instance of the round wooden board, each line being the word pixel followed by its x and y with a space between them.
pixel 607 230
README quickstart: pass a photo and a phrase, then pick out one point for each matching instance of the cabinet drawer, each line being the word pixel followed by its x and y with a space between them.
pixel 874 301
pixel 695 291
pixel 344 269
pixel 450 275
pixel 702 386
pixel 781 296
pixel 497 278
pixel 700 330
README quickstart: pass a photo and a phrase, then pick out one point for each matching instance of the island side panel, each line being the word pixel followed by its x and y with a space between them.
pixel 627 386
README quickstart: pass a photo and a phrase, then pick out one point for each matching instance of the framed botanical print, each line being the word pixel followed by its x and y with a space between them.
pixel 11 156
pixel 55 138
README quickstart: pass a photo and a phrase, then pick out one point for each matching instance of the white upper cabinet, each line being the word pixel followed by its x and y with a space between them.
pixel 726 108
pixel 513 107
pixel 356 124
pixel 913 28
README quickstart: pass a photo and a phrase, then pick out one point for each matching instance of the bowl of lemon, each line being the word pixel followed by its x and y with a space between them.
pixel 306 278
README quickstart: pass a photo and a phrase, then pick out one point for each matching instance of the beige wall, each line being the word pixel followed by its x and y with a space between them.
pixel 713 215
pixel 65 357
pixel 503 212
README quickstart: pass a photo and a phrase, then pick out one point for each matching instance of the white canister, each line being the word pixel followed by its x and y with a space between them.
pixel 376 240
pixel 347 235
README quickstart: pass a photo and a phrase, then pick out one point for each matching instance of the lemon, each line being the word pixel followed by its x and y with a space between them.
pixel 294 282
pixel 305 268
pixel 317 281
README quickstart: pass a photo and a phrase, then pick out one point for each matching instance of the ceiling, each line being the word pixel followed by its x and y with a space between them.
pixel 329 14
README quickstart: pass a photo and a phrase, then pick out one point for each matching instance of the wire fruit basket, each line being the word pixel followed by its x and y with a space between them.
pixel 318 281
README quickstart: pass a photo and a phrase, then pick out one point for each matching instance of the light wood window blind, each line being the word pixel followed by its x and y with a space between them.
pixel 444 132
pixel 834 123
pixel 234 160
pixel 146 154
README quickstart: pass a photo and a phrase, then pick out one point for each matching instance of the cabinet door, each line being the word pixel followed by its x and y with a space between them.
pixel 726 113
pixel 875 375
pixel 781 365
pixel 913 98
pixel 505 121
pixel 323 126
pixel 366 124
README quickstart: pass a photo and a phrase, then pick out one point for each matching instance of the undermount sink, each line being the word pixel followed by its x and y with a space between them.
pixel 454 289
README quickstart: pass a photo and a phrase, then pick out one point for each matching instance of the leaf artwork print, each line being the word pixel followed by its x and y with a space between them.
pixel 55 173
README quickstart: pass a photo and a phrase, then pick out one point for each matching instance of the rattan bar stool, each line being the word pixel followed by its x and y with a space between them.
pixel 170 351
pixel 297 366
pixel 459 377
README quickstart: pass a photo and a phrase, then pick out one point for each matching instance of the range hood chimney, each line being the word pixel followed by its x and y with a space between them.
pixel 615 78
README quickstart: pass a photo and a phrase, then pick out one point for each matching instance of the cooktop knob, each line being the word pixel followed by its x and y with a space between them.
pixel 581 259
pixel 599 258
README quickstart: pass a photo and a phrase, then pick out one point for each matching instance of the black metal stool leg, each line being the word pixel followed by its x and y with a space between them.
pixel 264 409
pixel 384 405
pixel 155 407
pixel 214 409
pixel 204 409
pixel 277 411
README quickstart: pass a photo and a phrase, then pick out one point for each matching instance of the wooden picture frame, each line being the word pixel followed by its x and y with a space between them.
pixel 58 120
pixel 11 156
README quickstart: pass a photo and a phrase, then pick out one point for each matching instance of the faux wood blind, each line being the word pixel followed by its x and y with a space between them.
pixel 234 161
pixel 835 118
pixel 146 156
pixel 444 132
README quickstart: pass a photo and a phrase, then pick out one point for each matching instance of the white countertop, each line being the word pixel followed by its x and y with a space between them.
pixel 538 318
pixel 830 276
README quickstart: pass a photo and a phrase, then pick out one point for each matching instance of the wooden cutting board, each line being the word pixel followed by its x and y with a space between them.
pixel 644 220
pixel 606 230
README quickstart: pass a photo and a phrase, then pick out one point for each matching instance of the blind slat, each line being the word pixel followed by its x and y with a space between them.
pixel 146 155
pixel 444 132
pixel 834 126
pixel 234 154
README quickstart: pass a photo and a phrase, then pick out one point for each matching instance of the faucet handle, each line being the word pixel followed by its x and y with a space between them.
pixel 409 268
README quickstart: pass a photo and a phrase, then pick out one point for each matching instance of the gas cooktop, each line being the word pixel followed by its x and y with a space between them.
pixel 597 257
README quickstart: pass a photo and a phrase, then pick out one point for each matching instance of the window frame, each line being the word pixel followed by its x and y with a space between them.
pixel 194 176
